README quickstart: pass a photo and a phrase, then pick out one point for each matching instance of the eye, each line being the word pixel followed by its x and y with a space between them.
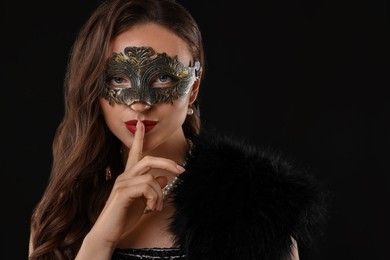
pixel 119 81
pixel 163 80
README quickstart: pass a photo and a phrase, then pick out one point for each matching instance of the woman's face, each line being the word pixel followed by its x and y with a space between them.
pixel 164 116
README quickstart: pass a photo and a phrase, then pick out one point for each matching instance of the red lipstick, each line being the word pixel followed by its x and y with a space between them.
pixel 149 125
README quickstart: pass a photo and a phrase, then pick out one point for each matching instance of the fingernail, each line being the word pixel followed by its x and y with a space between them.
pixel 181 169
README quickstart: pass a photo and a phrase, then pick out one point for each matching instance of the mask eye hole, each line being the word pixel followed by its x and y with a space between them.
pixel 119 81
pixel 163 80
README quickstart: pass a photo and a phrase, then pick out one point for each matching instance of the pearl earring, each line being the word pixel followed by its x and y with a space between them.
pixel 190 111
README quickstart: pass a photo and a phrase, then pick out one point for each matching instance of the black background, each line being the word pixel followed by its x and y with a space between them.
pixel 310 78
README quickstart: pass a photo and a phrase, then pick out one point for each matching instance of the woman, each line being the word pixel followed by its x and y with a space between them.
pixel 134 175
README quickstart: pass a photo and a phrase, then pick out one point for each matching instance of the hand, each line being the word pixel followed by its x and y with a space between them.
pixel 133 190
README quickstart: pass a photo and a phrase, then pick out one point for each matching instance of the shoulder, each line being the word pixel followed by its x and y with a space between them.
pixel 244 192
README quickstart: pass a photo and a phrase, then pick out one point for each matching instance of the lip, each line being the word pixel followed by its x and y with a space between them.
pixel 149 125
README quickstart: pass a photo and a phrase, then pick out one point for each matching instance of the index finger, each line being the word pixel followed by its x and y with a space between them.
pixel 135 153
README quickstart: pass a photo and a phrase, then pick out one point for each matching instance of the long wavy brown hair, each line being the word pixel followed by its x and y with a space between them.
pixel 83 146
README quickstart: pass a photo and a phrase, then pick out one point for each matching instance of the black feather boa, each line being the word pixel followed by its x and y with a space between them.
pixel 236 201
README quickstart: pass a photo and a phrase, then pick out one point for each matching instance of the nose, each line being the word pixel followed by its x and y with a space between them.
pixel 139 106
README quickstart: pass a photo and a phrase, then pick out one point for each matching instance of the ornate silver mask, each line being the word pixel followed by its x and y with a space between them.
pixel 141 75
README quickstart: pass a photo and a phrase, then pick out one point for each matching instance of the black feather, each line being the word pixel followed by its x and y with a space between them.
pixel 237 201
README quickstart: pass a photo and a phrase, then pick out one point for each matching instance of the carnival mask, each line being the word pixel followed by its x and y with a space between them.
pixel 141 75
